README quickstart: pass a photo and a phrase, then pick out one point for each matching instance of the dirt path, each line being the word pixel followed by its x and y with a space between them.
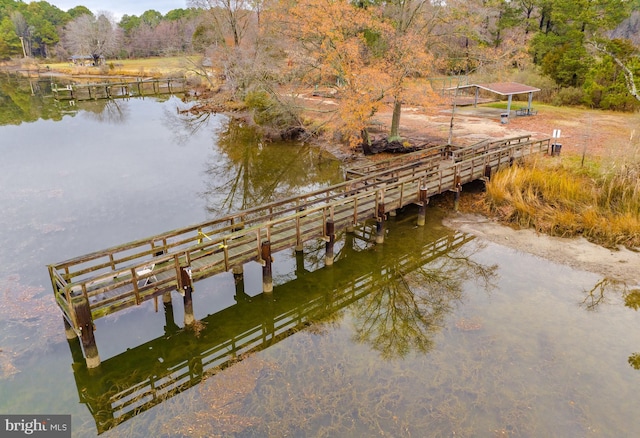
pixel 603 133
pixel 595 132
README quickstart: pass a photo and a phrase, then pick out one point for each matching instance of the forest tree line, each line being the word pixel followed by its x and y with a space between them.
pixel 586 51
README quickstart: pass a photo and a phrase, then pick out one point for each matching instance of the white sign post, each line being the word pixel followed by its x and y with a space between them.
pixel 555 146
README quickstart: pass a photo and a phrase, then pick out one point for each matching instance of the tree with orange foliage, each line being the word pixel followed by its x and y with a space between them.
pixel 366 52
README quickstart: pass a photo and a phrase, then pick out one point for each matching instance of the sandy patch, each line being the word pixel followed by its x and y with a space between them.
pixel 621 265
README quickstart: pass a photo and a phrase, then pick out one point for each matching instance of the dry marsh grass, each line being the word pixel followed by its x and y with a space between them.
pixel 148 67
pixel 599 200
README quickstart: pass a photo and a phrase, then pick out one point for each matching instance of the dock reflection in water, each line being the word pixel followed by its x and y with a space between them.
pixel 379 280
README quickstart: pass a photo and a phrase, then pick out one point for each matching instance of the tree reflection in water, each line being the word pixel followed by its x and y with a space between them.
pixel 403 313
pixel 598 295
pixel 111 111
pixel 184 125
pixel 250 173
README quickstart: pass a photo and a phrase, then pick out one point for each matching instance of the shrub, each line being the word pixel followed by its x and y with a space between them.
pixel 270 112
pixel 569 96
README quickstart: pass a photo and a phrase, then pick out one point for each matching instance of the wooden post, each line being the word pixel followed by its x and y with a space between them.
pixel 68 330
pixel 330 228
pixel 380 224
pixel 186 287
pixel 422 211
pixel 238 279
pixel 487 172
pixel 74 343
pixel 85 324
pixel 456 202
pixel 299 263
pixel 170 325
pixel 299 242
pixel 267 275
pixel 238 273
pixel 487 176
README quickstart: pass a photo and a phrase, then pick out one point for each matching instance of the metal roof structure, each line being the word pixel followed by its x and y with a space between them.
pixel 504 89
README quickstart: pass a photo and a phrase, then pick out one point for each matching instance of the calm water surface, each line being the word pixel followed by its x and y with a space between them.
pixel 433 333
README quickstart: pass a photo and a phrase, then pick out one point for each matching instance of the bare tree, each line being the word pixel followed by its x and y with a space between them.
pixel 231 17
pixel 95 37
pixel 23 30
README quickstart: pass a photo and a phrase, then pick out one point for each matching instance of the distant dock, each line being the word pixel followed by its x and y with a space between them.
pixel 120 89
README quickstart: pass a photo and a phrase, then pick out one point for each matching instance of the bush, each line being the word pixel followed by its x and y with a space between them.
pixel 546 85
pixel 270 112
pixel 569 96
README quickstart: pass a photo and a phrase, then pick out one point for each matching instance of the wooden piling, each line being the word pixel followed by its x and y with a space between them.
pixel 85 324
pixel 238 279
pixel 380 224
pixel 267 275
pixel 76 349
pixel 186 287
pixel 68 330
pixel 238 272
pixel 422 209
pixel 170 325
pixel 487 173
pixel 299 263
pixel 330 232
pixel 458 190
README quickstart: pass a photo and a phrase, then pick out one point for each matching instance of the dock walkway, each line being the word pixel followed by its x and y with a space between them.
pixel 119 89
pixel 97 284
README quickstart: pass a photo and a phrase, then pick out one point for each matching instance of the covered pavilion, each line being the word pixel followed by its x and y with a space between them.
pixel 504 89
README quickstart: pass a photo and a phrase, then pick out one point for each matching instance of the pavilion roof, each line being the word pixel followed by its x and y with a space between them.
pixel 504 88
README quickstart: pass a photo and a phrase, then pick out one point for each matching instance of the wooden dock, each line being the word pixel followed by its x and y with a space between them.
pixel 97 284
pixel 119 89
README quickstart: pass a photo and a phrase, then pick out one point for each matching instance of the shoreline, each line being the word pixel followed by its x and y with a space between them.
pixel 620 265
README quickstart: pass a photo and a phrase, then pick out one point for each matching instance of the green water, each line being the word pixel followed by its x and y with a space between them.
pixel 433 333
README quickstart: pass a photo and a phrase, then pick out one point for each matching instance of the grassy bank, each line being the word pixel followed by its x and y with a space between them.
pixel 147 67
pixel 563 196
